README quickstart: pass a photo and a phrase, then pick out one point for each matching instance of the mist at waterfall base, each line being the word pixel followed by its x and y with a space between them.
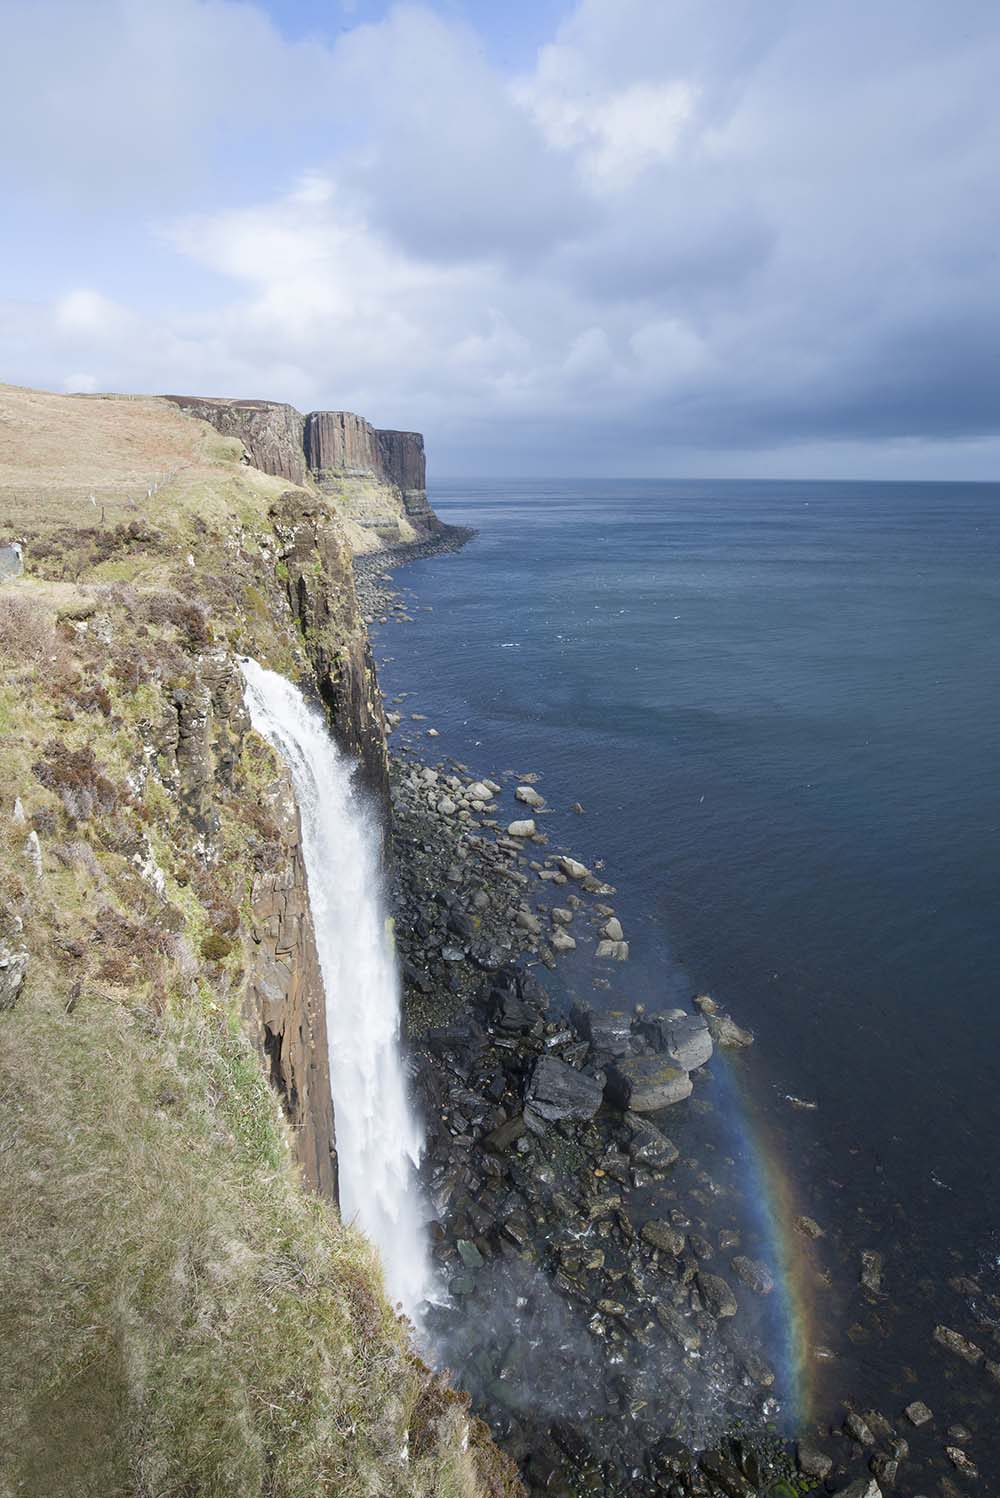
pixel 779 707
pixel 378 1136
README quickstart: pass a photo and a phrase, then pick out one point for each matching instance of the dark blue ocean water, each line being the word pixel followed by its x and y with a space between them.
pixel 779 704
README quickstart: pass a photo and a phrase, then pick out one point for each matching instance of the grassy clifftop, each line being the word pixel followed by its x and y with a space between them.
pixel 179 1315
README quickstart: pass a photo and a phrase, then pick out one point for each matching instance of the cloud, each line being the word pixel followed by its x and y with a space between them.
pixel 684 234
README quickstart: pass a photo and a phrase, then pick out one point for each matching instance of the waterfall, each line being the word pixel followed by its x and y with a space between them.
pixel 378 1138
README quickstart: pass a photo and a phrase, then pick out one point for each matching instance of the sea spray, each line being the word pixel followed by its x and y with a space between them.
pixel 378 1138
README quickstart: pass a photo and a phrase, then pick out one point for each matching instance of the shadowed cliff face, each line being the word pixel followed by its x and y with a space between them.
pixel 380 476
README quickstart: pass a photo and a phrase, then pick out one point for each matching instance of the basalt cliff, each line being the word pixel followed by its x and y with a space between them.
pixel 182 1309
pixel 375 480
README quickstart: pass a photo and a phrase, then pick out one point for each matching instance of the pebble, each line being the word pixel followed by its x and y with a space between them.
pixel 917 1413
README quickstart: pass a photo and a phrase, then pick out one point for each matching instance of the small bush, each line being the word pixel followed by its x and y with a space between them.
pixel 76 778
pixel 27 633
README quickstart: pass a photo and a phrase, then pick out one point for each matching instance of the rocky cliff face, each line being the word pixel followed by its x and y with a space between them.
pixel 270 431
pixel 378 477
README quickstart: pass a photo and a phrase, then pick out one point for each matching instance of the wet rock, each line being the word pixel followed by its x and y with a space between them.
pixel 812 1461
pixel 525 921
pixel 529 797
pixel 648 1145
pixel 858 1429
pixel 681 1330
pixel 522 829
pixel 647 1083
pixel 469 1254
pixel 573 869
pixel 664 1237
pixel 506 1135
pixel 754 1274
pixel 863 1487
pixel 560 1091
pixel 687 1041
pixel 612 929
pixel 808 1227
pixel 717 1295
pixel 957 1344
pixel 726 1032
pixel 610 1032
pixel 562 941
pixel 870 1276
pixel 961 1462
pixel 479 791
pixel 561 916
pixel 612 951
pixel 885 1468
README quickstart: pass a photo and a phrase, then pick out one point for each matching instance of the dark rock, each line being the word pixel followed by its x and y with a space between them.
pixel 858 1429
pixel 686 1041
pixel 648 1146
pixel 812 1461
pixel 610 1032
pixel 646 1084
pixel 560 1091
pixel 871 1271
pixel 507 1134
pixel 755 1275
pixel 958 1344
pixel 662 1236
pixel 717 1295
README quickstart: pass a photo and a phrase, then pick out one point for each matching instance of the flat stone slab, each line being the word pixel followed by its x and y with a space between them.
pixel 560 1091
pixel 647 1083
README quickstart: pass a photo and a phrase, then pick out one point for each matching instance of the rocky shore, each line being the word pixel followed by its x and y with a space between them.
pixel 601 1300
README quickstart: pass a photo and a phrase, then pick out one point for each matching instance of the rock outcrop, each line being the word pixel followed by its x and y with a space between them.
pixel 379 476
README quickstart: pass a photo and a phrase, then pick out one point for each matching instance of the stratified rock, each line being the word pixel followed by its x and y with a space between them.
pixel 648 1083
pixel 560 1091
pixel 755 1275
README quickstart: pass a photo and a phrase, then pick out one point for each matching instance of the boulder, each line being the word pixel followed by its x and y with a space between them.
pixel 664 1237
pixel 613 951
pixel 479 792
pixel 561 916
pixel 529 797
pixel 955 1342
pixel 755 1275
pixel 864 1487
pixel 562 941
pixel 574 870
pixel 917 1413
pixel 717 1295
pixel 687 1041
pixel 560 1091
pixel 727 1032
pixel 11 562
pixel 525 921
pixel 521 829
pixel 648 1146
pixel 647 1083
pixel 612 929
pixel 812 1461
pixel 609 1032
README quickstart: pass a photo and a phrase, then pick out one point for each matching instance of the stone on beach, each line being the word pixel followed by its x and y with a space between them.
pixel 687 1041
pixel 612 951
pixel 574 869
pixel 647 1083
pixel 529 797
pixel 479 791
pixel 559 1091
pixel 612 929
pixel 562 941
pixel 754 1274
pixel 521 829
pixel 955 1342
pixel 717 1295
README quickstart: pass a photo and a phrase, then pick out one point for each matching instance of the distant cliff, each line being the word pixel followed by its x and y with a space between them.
pixel 378 478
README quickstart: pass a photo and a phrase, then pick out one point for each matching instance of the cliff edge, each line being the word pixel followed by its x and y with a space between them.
pixel 178 1313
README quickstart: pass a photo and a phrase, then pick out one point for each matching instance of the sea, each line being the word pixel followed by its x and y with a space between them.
pixel 778 704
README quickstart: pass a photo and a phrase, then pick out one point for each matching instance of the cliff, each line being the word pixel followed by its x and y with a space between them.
pixel 178 1313
pixel 376 479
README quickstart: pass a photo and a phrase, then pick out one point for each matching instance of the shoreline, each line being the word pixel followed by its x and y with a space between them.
pixel 475 1048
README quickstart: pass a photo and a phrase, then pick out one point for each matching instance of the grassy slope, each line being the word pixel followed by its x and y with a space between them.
pixel 177 1316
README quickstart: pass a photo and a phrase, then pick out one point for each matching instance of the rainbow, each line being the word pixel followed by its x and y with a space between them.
pixel 773 1208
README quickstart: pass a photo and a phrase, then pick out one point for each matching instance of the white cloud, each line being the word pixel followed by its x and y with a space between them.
pixel 767 230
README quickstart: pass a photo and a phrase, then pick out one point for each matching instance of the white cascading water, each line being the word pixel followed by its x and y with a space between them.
pixel 378 1138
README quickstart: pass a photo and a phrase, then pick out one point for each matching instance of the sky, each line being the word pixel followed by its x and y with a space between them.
pixel 718 238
